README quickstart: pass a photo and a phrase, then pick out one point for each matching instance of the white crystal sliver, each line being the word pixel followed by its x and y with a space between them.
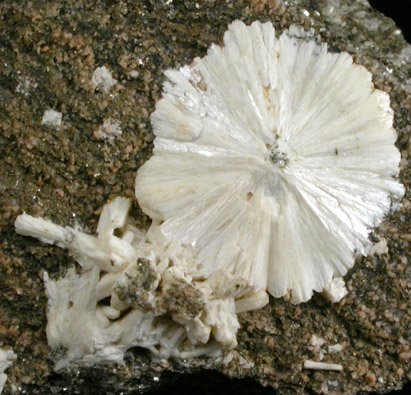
pixel 7 357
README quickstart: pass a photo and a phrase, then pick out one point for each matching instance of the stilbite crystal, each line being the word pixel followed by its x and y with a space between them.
pixel 273 159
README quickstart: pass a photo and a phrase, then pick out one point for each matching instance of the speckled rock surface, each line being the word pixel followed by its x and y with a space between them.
pixel 48 53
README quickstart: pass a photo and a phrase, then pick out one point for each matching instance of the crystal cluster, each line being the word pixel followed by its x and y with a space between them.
pixel 136 289
pixel 273 159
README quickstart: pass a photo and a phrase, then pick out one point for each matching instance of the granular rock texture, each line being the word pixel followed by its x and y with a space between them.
pixel 68 169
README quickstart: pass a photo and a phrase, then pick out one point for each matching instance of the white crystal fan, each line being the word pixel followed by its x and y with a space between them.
pixel 273 158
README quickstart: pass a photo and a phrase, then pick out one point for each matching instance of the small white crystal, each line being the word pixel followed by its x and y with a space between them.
pixel 7 357
pixel 134 74
pixel 52 118
pixel 40 228
pixel 254 301
pixel 378 248
pixel 316 341
pixel 220 316
pixel 335 290
pixel 103 79
pixel 335 348
pixel 313 365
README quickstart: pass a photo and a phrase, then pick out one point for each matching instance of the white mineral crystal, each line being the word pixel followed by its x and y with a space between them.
pixel 316 342
pixel 334 348
pixel 137 289
pixel 313 365
pixel 381 247
pixel 335 290
pixel 273 159
pixel 103 79
pixel 51 118
pixel 7 357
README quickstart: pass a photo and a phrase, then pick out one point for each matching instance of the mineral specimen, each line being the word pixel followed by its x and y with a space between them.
pixel 273 160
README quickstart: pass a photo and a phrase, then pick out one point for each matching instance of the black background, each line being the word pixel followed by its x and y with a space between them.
pixel 399 10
